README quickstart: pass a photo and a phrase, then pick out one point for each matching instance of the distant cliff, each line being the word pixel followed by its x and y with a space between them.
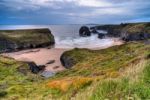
pixel 128 31
pixel 11 40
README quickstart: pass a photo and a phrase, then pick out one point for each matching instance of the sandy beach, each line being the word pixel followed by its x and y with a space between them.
pixel 42 56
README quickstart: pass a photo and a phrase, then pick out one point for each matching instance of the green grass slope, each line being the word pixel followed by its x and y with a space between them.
pixel 92 67
pixel 119 72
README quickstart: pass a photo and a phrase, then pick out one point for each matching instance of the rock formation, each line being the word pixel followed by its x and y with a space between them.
pixel 67 61
pixel 13 40
pixel 84 31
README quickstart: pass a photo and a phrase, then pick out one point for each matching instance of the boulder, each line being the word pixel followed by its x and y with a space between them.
pixel 100 35
pixel 47 74
pixel 67 61
pixel 94 31
pixel 34 68
pixel 41 67
pixel 84 31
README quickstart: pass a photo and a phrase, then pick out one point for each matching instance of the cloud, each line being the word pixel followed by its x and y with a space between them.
pixel 72 11
pixel 93 3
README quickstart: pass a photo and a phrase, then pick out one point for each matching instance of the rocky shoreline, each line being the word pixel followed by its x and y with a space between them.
pixel 124 31
pixel 44 38
pixel 128 31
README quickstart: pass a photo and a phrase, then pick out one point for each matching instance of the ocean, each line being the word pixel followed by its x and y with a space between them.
pixel 67 36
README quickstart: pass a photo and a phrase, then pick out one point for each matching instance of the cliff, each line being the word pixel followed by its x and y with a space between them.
pixel 128 31
pixel 11 40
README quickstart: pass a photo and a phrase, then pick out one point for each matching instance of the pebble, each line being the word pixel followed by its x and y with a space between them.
pixel 47 74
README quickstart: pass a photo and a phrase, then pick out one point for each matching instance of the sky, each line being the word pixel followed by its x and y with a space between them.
pixel 44 12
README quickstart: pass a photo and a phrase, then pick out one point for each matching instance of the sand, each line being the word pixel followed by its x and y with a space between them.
pixel 42 56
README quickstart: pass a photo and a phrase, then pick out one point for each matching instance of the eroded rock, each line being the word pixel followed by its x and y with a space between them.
pixel 67 61
pixel 84 31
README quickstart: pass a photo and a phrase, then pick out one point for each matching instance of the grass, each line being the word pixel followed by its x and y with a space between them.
pixel 104 62
pixel 128 28
pixel 137 28
pixel 34 37
pixel 123 89
pixel 101 64
pixel 112 73
pixel 14 84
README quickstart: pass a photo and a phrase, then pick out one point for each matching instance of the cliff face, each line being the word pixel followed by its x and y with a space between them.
pixel 11 40
pixel 128 31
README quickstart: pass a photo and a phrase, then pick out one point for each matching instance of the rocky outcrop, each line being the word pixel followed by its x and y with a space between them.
pixel 127 31
pixel 101 36
pixel 67 61
pixel 6 46
pixel 32 67
pixel 13 40
pixel 136 37
pixel 93 30
pixel 84 31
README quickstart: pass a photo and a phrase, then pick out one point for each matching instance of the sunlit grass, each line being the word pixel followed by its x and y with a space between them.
pixel 113 73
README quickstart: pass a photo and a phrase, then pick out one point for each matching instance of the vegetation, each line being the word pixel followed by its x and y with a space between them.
pixel 119 72
pixel 99 65
pixel 128 28
pixel 124 88
pixel 25 38
pixel 137 28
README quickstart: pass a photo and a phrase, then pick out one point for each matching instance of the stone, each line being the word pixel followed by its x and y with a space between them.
pixel 100 35
pixel 47 74
pixel 41 67
pixel 51 62
pixel 67 61
pixel 84 31
pixel 33 67
pixel 93 30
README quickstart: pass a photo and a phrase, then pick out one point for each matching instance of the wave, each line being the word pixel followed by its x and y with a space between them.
pixel 82 42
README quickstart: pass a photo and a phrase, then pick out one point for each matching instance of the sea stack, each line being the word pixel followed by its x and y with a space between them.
pixel 84 31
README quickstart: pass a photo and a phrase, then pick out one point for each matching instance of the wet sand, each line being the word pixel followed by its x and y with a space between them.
pixel 42 56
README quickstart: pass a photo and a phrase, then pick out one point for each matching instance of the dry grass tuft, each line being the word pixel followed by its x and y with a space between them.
pixel 68 83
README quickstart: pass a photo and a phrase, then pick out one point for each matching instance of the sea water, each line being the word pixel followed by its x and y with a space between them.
pixel 67 36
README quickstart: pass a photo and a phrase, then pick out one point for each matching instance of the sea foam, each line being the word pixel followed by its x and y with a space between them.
pixel 82 42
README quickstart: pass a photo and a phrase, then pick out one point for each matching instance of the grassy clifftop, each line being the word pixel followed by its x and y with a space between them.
pixel 30 38
pixel 129 31
pixel 93 67
pixel 137 28
pixel 119 72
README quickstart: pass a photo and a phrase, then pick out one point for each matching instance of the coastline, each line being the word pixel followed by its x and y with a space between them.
pixel 41 56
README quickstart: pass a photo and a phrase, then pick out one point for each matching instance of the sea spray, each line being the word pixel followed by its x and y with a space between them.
pixel 82 42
